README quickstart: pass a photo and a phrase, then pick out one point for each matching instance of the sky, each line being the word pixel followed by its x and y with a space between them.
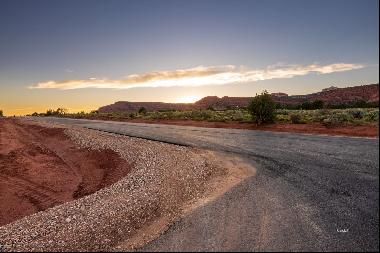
pixel 82 54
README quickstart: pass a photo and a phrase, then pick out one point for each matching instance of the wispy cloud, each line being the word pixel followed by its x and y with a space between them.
pixel 199 76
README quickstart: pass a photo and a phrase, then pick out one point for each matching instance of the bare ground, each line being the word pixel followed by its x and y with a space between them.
pixel 164 183
pixel 41 168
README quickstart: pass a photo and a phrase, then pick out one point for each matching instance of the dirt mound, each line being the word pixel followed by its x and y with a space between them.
pixel 41 168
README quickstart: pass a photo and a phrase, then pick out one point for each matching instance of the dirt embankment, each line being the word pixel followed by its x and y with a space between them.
pixel 41 168
pixel 166 182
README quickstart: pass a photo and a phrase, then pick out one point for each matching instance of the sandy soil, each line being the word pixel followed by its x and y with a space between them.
pixel 41 168
pixel 315 128
pixel 346 130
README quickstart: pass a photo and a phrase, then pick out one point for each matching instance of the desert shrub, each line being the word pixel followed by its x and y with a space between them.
pixel 317 104
pixel 319 115
pixel 283 112
pixel 295 118
pixel 325 116
pixel 262 108
pixel 337 118
pixel 246 116
pixel 371 116
pixel 49 112
pixel 283 118
pixel 61 111
pixel 357 114
pixel 142 110
pixel 58 112
pixel 343 117
pixel 205 115
pixel 1 113
pixel 330 121
pixel 34 114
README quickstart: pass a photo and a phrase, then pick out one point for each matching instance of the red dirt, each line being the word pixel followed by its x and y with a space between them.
pixel 41 168
pixel 370 131
pixel 346 130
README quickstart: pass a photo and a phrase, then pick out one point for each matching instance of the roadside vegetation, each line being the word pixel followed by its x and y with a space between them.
pixel 1 113
pixel 262 110
pixel 327 117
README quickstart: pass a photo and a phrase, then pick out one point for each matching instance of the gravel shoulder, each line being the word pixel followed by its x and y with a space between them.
pixel 166 182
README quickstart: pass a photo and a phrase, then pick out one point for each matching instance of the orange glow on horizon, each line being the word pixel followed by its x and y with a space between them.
pixel 189 99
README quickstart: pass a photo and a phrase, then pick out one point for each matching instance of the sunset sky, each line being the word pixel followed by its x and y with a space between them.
pixel 84 54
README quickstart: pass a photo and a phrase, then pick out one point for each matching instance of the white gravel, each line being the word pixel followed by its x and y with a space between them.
pixel 164 177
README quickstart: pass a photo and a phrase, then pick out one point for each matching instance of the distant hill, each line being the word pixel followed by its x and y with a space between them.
pixel 125 106
pixel 331 95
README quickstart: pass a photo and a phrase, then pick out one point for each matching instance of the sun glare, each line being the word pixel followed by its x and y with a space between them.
pixel 189 99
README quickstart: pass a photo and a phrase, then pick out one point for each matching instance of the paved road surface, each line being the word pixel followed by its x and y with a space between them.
pixel 310 192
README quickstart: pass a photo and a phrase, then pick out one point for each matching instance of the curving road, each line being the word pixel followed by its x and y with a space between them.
pixel 314 193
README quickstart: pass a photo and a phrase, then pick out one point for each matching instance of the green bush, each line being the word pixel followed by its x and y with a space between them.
pixel 330 122
pixel 142 110
pixel 328 117
pixel 262 108
pixel 317 104
pixel 371 116
pixel 336 119
pixel 357 114
pixel 58 112
pixel 295 118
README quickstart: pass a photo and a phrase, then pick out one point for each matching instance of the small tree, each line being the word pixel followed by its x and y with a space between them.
pixel 306 105
pixel 142 110
pixel 317 104
pixel 262 108
pixel 1 113
pixel 49 112
pixel 60 111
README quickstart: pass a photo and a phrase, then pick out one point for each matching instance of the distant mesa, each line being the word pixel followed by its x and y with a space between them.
pixel 330 88
pixel 331 95
pixel 279 94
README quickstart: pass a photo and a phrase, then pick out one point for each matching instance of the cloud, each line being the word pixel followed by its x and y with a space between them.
pixel 199 76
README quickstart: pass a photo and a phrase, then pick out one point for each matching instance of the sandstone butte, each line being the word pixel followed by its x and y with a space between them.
pixel 332 95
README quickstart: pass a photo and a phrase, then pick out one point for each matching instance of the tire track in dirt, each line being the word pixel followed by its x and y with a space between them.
pixel 37 195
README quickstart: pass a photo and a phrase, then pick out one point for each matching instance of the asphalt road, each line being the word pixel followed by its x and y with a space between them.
pixel 317 193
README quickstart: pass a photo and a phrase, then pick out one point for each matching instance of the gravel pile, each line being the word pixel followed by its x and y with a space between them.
pixel 164 177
